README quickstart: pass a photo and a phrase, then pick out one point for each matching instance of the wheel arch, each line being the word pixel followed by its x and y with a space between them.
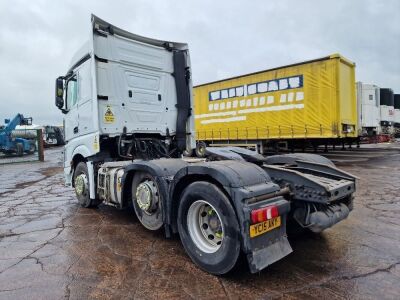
pixel 171 183
pixel 76 159
pixel 79 154
pixel 193 174
pixel 183 183
pixel 130 172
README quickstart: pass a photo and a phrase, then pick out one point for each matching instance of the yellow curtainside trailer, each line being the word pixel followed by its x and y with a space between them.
pixel 305 101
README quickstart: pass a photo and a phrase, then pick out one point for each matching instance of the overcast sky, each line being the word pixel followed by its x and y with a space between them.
pixel 226 38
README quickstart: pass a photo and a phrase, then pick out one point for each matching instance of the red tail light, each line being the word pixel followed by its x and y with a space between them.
pixel 264 214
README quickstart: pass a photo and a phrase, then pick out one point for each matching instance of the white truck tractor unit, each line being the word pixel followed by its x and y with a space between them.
pixel 127 102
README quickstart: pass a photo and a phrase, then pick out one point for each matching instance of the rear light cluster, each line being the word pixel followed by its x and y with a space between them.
pixel 264 214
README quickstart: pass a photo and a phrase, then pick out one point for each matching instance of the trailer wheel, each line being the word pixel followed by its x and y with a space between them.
pixel 146 201
pixel 19 149
pixel 82 188
pixel 208 228
pixel 201 149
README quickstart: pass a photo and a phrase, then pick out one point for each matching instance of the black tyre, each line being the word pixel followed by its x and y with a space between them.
pixel 146 201
pixel 82 188
pixel 201 149
pixel 19 149
pixel 208 228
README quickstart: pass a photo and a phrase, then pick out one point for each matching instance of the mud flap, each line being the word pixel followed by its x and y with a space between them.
pixel 262 258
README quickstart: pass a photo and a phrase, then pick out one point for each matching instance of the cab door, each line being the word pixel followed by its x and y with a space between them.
pixel 85 115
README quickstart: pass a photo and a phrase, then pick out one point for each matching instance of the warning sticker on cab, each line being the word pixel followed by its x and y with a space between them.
pixel 109 115
pixel 96 143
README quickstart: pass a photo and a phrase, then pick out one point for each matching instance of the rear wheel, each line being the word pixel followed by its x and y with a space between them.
pixel 82 187
pixel 146 201
pixel 208 228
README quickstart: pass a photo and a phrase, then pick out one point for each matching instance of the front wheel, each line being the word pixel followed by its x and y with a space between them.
pixel 82 187
pixel 208 228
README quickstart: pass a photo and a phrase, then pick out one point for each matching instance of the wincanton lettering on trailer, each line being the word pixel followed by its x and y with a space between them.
pixel 288 95
pixel 279 84
pixel 109 115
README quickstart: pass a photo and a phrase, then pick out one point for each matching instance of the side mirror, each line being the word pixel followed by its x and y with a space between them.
pixel 6 121
pixel 60 92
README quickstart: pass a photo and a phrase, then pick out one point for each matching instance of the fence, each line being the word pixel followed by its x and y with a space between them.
pixel 22 145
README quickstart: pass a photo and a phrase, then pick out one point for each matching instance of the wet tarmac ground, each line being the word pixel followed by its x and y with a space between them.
pixel 50 248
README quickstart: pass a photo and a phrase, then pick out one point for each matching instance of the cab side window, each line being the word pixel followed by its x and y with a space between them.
pixel 84 83
pixel 72 92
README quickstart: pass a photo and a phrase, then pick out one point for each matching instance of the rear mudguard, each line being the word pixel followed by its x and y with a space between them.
pixel 248 187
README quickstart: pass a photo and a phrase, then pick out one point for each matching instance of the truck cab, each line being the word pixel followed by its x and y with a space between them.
pixel 121 85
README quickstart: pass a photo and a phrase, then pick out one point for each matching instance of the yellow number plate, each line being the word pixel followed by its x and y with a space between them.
pixel 263 227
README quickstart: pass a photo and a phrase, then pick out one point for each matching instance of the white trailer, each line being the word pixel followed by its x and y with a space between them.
pixel 386 110
pixel 127 102
pixel 368 101
pixel 396 119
